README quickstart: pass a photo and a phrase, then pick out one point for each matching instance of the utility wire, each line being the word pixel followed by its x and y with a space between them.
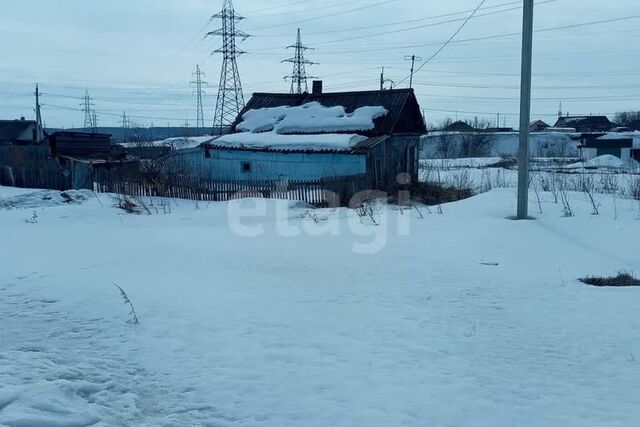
pixel 316 18
pixel 481 38
pixel 445 43
pixel 403 22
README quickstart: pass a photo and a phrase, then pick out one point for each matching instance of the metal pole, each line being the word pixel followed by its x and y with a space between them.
pixel 525 110
pixel 413 63
pixel 39 126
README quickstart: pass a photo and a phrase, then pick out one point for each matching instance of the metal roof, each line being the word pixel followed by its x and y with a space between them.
pixel 404 115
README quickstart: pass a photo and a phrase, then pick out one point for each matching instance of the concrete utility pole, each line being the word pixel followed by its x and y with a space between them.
pixel 39 126
pixel 413 60
pixel 525 111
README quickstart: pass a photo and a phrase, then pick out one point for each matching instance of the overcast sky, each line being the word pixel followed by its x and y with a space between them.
pixel 138 55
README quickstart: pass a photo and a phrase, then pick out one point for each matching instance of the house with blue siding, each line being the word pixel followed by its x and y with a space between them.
pixel 316 135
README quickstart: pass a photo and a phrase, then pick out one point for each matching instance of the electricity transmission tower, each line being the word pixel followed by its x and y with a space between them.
pixel 230 98
pixel 125 126
pixel 299 75
pixel 89 125
pixel 198 83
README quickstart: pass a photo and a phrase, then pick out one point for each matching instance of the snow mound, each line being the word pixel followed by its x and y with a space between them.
pixel 274 141
pixel 45 198
pixel 606 161
pixel 311 117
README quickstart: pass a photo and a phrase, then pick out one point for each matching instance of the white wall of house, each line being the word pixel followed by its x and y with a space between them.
pixel 250 165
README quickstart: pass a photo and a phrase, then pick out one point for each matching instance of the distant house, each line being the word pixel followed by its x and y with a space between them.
pixel 317 135
pixel 538 126
pixel 585 124
pixel 84 145
pixel 459 126
pixel 18 131
pixel 64 160
pixel 624 145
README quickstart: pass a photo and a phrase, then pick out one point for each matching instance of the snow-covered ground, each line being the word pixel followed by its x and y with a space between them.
pixel 459 319
pixel 604 174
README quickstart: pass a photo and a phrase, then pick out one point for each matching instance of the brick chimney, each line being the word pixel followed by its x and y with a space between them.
pixel 317 87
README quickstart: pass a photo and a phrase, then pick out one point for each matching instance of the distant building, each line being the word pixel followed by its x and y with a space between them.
pixel 498 130
pixel 317 135
pixel 459 126
pixel 624 145
pixel 83 145
pixel 538 126
pixel 18 132
pixel 585 124
pixel 63 161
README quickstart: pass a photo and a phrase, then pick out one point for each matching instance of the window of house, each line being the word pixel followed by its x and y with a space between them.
pixel 246 167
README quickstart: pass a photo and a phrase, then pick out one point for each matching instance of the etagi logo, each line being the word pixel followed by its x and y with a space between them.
pixel 367 218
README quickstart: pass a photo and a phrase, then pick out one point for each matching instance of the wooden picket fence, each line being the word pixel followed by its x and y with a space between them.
pixel 335 191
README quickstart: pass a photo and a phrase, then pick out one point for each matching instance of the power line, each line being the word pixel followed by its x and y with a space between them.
pixel 406 21
pixel 303 11
pixel 481 38
pixel 446 43
pixel 330 15
pixel 407 29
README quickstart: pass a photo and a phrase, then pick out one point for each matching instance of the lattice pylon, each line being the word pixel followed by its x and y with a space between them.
pixel 230 100
pixel 299 75
pixel 198 83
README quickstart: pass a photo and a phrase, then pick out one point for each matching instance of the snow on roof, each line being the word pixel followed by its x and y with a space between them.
pixel 274 141
pixel 311 117
pixel 620 135
pixel 177 143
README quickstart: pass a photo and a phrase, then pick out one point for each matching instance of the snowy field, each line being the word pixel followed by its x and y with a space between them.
pixel 322 318
pixel 604 175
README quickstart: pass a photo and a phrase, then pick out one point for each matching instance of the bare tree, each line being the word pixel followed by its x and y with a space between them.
pixel 479 141
pixel 628 119
pixel 445 143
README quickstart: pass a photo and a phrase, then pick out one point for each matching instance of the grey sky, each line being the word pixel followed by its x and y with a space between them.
pixel 138 55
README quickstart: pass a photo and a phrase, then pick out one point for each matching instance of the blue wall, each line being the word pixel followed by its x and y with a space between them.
pixel 230 164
